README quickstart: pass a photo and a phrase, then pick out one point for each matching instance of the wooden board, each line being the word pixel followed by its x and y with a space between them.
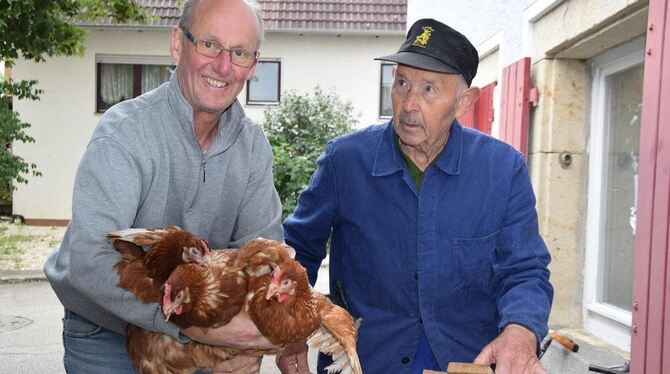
pixel 463 368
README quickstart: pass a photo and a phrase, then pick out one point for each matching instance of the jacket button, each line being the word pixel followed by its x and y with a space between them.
pixel 405 360
pixel 416 276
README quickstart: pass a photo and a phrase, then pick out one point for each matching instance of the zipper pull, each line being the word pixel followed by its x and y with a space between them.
pixel 204 173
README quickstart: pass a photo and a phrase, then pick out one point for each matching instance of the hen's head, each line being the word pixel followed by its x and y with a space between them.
pixel 181 289
pixel 198 252
pixel 173 302
pixel 289 280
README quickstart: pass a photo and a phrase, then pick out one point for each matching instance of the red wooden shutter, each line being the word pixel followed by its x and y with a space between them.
pixel 650 333
pixel 485 108
pixel 480 115
pixel 469 118
pixel 515 103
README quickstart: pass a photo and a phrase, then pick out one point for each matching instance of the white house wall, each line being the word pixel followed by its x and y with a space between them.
pixel 343 63
pixel 478 21
pixel 63 120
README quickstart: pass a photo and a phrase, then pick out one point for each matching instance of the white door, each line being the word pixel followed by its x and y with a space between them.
pixel 614 145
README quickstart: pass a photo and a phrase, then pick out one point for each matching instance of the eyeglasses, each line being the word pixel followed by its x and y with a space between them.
pixel 212 49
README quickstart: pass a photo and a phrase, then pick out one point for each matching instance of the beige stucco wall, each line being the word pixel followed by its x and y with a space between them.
pixel 488 70
pixel 63 120
pixel 581 29
pixel 559 125
pixel 562 41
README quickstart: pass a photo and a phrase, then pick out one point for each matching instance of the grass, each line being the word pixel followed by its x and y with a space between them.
pixel 24 247
pixel 9 242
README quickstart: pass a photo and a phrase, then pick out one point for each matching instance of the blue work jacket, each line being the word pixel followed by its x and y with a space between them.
pixel 459 258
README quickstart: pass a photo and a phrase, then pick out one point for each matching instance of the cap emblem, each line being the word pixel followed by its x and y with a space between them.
pixel 422 40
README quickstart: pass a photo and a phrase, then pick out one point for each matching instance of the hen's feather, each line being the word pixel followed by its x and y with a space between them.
pixel 338 323
pixel 260 256
pixel 155 353
pixel 302 313
pixel 227 283
pixel 214 294
pixel 133 275
pixel 143 273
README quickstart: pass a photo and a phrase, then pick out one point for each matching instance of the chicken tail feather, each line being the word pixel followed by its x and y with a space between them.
pixel 141 236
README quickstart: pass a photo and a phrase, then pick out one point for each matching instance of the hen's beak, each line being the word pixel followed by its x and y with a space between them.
pixel 167 312
pixel 170 308
pixel 273 290
pixel 273 287
pixel 167 306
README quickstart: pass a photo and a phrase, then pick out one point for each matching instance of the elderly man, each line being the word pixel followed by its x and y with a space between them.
pixel 433 230
pixel 184 154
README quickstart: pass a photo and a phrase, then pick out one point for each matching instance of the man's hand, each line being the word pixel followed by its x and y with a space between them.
pixel 239 365
pixel 513 352
pixel 294 359
pixel 240 332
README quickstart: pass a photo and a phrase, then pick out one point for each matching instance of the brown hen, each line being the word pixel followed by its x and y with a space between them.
pixel 286 310
pixel 204 295
pixel 143 273
pixel 260 281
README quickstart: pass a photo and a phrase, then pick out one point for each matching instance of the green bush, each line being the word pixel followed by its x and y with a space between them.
pixel 298 130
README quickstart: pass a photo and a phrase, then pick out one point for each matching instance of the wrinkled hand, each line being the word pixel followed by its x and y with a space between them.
pixel 240 332
pixel 239 365
pixel 293 360
pixel 513 352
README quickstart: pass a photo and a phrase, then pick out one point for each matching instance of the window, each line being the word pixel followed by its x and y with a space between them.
pixel 385 83
pixel 121 78
pixel 614 145
pixel 264 86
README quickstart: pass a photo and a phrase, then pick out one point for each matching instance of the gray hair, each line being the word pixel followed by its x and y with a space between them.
pixel 189 5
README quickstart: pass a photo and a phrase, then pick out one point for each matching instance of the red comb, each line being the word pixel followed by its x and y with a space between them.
pixel 276 275
pixel 167 294
pixel 206 248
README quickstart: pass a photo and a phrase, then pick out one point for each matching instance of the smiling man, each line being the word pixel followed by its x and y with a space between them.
pixel 182 154
pixel 433 231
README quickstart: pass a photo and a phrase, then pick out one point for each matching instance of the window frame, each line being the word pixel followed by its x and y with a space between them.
pixel 381 89
pixel 266 102
pixel 137 62
pixel 606 321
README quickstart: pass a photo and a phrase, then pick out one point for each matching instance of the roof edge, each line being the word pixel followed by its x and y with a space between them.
pixel 272 30
pixel 334 31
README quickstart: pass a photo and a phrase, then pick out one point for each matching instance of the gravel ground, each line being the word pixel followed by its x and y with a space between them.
pixel 27 247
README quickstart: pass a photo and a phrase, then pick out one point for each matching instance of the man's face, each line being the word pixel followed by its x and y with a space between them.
pixel 424 105
pixel 211 84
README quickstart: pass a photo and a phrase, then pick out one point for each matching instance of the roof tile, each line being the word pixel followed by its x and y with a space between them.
pixel 322 15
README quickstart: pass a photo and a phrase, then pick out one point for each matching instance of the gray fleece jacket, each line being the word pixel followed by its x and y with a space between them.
pixel 144 168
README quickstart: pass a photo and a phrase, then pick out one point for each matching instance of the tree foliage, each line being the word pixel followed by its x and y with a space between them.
pixel 34 30
pixel 298 130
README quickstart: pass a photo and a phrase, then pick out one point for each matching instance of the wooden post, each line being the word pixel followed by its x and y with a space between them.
pixel 650 331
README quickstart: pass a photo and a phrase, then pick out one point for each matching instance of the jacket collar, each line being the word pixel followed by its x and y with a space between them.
pixel 388 159
pixel 230 123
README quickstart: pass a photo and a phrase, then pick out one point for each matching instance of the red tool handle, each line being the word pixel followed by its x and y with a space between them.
pixel 565 341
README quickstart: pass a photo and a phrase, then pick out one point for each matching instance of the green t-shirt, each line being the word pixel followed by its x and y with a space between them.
pixel 417 174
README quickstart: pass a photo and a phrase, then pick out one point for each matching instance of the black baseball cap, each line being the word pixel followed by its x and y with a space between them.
pixel 432 45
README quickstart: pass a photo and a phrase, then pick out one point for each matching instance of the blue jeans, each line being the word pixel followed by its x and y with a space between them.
pixel 92 349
